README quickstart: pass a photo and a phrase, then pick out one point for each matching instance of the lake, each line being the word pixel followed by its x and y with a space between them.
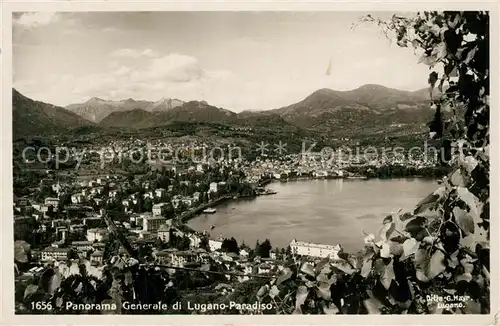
pixel 321 211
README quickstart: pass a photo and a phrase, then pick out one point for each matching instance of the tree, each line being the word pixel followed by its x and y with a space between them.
pixel 183 243
pixel 251 254
pixel 204 244
pixel 436 125
pixel 148 205
pixel 145 251
pixel 265 249
pixel 139 206
pixel 159 244
pixel 230 245
pixel 257 248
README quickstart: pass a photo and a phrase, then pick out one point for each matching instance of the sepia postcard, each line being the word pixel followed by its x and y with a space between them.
pixel 249 163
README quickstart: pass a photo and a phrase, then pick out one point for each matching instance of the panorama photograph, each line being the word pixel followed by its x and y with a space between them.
pixel 251 162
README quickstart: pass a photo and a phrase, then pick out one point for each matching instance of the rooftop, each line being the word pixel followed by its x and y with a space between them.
pixel 164 228
pixel 149 218
pixel 53 249
pixel 75 243
pixel 159 205
pixel 314 245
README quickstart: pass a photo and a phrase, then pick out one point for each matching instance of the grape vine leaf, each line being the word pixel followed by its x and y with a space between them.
pixel 308 269
pixel 263 291
pixel 330 309
pixel 415 225
pixel 321 264
pixel 428 266
pixel 470 163
pixel 388 275
pixel 300 297
pixel 344 267
pixel 286 274
pixel 428 202
pixel 372 304
pixel 386 230
pixel 30 289
pixel 410 246
pixel 274 291
pixel 385 252
pixel 366 268
pixel 457 179
pixel 464 220
pixel 55 282
pixel 472 201
pixel 323 290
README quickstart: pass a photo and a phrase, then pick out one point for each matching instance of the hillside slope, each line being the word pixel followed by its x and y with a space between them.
pixel 31 117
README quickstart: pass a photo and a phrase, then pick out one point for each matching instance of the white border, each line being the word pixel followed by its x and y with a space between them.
pixel 7 316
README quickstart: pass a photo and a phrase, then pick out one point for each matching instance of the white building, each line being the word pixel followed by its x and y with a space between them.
pixel 96 234
pixel 77 198
pixel 159 209
pixel 56 187
pixel 146 235
pixel 214 244
pixel 101 181
pixel 97 257
pixel 51 253
pixel 152 223
pixel 148 194
pixel 82 245
pixel 320 174
pixel 213 187
pixel 52 201
pixel 160 192
pixel 164 233
pixel 314 249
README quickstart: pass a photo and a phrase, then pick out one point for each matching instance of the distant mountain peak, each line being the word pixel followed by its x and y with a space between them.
pixel 95 99
pixel 372 86
pixel 163 104
pixel 366 104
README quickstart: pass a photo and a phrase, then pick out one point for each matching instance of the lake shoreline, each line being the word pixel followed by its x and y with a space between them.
pixel 320 212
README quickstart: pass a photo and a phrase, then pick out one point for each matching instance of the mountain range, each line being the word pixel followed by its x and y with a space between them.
pixel 193 111
pixel 370 107
pixel 97 109
pixel 366 107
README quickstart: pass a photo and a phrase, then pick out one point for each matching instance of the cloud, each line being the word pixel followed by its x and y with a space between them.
pixel 174 75
pixel 175 68
pixel 36 19
pixel 134 53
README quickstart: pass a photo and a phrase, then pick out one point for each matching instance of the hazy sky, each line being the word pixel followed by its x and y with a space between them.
pixel 237 60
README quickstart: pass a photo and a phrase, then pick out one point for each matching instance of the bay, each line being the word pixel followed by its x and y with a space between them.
pixel 335 211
